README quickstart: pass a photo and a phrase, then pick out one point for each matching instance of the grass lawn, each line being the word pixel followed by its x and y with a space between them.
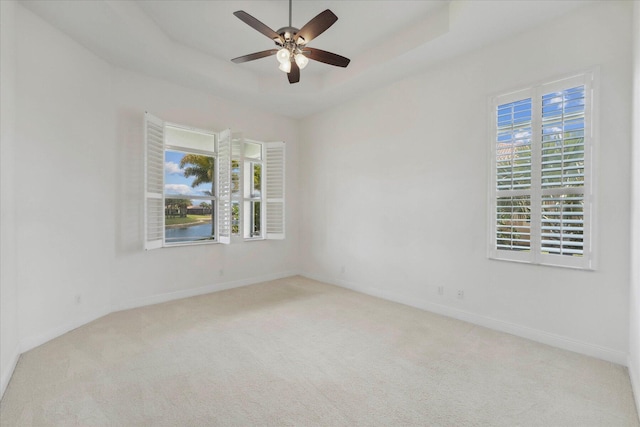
pixel 189 219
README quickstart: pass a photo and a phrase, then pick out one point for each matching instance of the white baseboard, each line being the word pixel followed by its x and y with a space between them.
pixel 634 375
pixel 186 293
pixel 6 376
pixel 32 342
pixel 29 343
pixel 543 337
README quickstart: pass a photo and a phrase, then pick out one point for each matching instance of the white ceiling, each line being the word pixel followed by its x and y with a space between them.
pixel 191 42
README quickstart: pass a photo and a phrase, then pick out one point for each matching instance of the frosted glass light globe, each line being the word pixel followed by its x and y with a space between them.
pixel 283 56
pixel 285 66
pixel 301 60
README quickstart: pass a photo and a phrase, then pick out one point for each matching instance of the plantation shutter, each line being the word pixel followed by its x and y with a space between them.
pixel 541 192
pixel 224 187
pixel 274 189
pixel 154 181
pixel 565 164
pixel 236 145
pixel 513 172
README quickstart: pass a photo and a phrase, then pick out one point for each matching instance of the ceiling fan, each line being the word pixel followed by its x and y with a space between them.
pixel 292 53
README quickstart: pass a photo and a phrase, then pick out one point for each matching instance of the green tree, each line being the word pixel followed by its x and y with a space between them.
pixel 203 169
pixel 176 207
pixel 235 218
pixel 257 179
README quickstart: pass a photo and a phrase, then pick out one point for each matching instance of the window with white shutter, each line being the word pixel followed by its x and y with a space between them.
pixel 253 189
pixel 205 187
pixel 187 185
pixel 258 204
pixel 541 192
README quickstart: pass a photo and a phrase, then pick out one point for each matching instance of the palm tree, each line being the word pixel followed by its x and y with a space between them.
pixel 203 169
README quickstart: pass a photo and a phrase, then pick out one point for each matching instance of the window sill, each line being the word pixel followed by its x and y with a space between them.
pixel 254 239
pixel 179 245
pixel 543 264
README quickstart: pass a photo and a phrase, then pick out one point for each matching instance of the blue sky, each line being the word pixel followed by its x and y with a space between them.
pixel 557 109
pixel 174 181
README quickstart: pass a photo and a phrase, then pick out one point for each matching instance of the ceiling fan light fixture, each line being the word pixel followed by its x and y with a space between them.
pixel 291 43
pixel 284 56
pixel 301 60
pixel 285 66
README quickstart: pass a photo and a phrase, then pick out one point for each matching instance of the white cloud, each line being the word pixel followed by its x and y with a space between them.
pixel 178 189
pixel 522 135
pixel 173 168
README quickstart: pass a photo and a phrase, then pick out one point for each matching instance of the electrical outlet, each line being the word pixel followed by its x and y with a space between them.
pixel 221 272
pixel 78 299
pixel 460 294
pixel 342 269
pixel 440 290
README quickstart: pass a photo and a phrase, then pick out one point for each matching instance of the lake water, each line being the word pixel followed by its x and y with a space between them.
pixel 188 234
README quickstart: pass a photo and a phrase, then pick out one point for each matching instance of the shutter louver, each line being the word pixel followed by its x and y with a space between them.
pixel 224 187
pixel 513 223
pixel 562 172
pixel 563 125
pixel 513 175
pixel 513 145
pixel 236 145
pixel 563 224
pixel 274 188
pixel 154 182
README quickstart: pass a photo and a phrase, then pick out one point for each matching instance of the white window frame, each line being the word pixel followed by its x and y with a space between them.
pixel 250 216
pixel 154 159
pixel 534 255
pixel 272 195
pixel 249 199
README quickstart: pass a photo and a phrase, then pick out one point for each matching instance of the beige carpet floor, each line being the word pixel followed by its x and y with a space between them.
pixel 299 352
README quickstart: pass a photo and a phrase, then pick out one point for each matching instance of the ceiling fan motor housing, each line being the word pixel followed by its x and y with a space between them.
pixel 287 33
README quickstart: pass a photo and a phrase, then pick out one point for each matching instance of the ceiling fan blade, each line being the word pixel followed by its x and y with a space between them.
pixel 316 26
pixel 257 25
pixel 294 74
pixel 326 57
pixel 254 56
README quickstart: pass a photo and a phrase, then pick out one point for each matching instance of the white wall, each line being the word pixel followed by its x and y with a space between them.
pixel 634 297
pixel 64 181
pixel 141 277
pixel 394 193
pixel 77 185
pixel 9 348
